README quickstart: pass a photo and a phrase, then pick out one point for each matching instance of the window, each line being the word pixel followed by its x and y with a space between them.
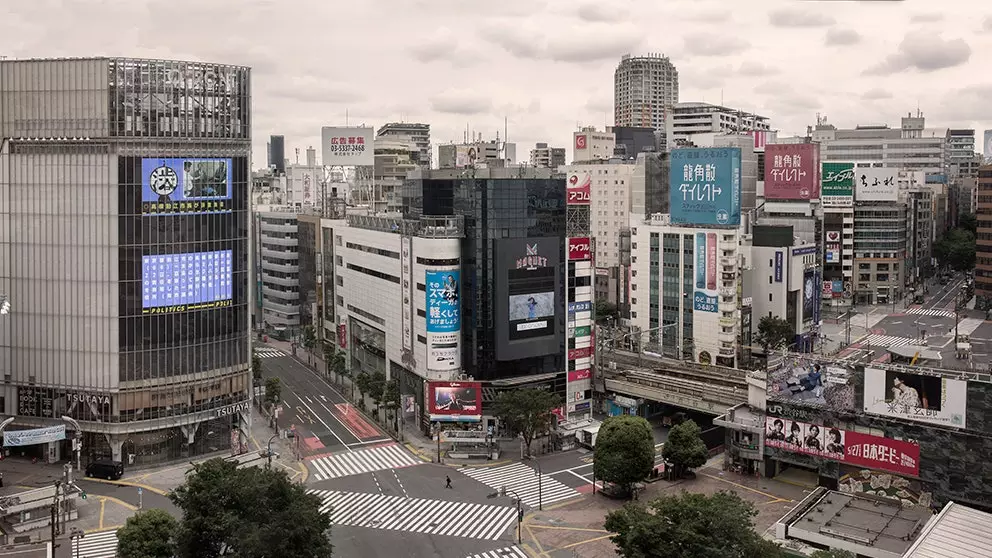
pixel 769 297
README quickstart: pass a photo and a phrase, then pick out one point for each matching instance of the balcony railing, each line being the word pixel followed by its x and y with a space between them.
pixel 429 227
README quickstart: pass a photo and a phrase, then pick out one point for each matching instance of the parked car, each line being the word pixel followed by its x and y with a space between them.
pixel 105 469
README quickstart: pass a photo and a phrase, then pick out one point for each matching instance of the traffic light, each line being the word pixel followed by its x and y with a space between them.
pixel 520 515
pixel 82 495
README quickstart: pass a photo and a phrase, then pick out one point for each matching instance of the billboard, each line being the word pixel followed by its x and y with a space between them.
pixel 527 297
pixel 581 141
pixel 930 399
pixel 847 446
pixel 837 184
pixel 876 185
pixel 444 320
pixel 791 171
pixel 466 156
pixel 187 281
pixel 578 191
pixel 170 186
pixel 349 147
pixel 705 186
pixel 705 297
pixel 988 145
pixel 779 266
pixel 809 294
pixel 454 401
pixel 579 249
pixel 800 379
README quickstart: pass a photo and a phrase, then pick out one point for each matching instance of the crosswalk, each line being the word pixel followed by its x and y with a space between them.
pixel 378 458
pixel 508 552
pixel 524 481
pixel 931 312
pixel 96 545
pixel 876 340
pixel 266 352
pixel 968 326
pixel 417 515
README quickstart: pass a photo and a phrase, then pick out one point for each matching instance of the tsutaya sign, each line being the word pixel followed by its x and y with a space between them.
pixel 233 409
pixel 93 398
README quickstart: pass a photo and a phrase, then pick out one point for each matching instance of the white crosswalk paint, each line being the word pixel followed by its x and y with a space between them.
pixel 417 515
pixel 265 352
pixel 508 552
pixel 876 340
pixel 378 458
pixel 968 326
pixel 96 545
pixel 524 481
pixel 931 312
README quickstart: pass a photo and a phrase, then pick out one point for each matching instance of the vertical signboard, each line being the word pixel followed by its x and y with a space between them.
pixel 578 191
pixel 832 253
pixel 809 294
pixel 837 185
pixel 343 336
pixel 791 171
pixel 579 249
pixel 704 298
pixel 444 322
pixel 347 146
pixel 406 273
pixel 705 186
pixel 779 266
pixel 816 297
pixel 876 185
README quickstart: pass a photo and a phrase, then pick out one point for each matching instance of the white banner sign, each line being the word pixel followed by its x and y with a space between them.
pixel 876 184
pixel 349 147
pixel 34 436
pixel 931 399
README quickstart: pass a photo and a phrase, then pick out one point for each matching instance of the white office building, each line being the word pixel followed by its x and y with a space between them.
pixel 785 282
pixel 589 144
pixel 690 119
pixel 278 267
pixel 912 146
pixel 645 88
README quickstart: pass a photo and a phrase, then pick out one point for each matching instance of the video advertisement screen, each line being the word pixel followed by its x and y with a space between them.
pixel 187 281
pixel 185 186
pixel 532 302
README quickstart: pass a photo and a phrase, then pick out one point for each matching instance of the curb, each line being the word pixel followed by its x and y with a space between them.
pixel 158 491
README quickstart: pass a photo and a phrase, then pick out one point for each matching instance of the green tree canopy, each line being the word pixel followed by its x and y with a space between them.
pixel 624 452
pixel 832 553
pixel 273 390
pixel 968 222
pixel 256 368
pixel 527 411
pixel 689 526
pixel 309 338
pixel 391 400
pixel 249 512
pixel 605 311
pixel 148 534
pixel 685 447
pixel 774 332
pixel 956 249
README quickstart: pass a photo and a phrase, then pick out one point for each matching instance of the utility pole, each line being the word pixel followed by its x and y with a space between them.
pixel 55 513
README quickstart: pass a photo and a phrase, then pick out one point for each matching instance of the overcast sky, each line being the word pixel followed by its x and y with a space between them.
pixel 545 65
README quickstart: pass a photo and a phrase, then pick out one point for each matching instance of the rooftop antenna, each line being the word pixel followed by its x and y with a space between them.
pixel 297 155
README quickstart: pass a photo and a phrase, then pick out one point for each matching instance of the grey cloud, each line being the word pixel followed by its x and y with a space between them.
pixel 876 94
pixel 587 44
pixel 586 48
pixel 798 101
pixel 756 69
pixel 926 17
pixel 704 16
pixel 925 54
pixel 987 24
pixel 694 77
pixel 967 104
pixel 772 88
pixel 714 45
pixel 460 102
pixel 842 37
pixel 794 17
pixel 599 13
pixel 310 90
pixel 443 47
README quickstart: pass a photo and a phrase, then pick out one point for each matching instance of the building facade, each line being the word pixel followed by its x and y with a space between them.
pixel 150 367
pixel 689 119
pixel 410 132
pixel 591 145
pixel 278 249
pixel 912 146
pixel 549 157
pixel 645 88
pixel 983 263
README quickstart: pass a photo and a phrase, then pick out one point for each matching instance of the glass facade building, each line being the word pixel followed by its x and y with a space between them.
pixel 124 213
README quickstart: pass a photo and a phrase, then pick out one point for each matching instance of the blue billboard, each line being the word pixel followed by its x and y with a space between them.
pixel 705 186
pixel 443 304
pixel 170 186
pixel 189 281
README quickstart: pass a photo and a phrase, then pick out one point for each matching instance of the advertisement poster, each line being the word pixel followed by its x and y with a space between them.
pixel 531 300
pixel 33 436
pixel 170 186
pixel 705 297
pixel 578 191
pixel 579 375
pixel 581 141
pixel 454 401
pixel 347 147
pixel 705 186
pixel 343 336
pixel 579 249
pixel 838 288
pixel 809 294
pixel 930 399
pixel 779 265
pixel 876 185
pixel 827 289
pixel 908 492
pixel 791 171
pixel 444 321
pixel 837 184
pixel 815 298
pixel 189 281
pixel 847 446
pixel 406 313
pixel 800 379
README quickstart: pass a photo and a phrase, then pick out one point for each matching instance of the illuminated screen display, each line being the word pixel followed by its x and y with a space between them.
pixel 531 303
pixel 170 186
pixel 190 281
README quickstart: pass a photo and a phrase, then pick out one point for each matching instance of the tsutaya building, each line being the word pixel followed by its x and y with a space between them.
pixel 580 343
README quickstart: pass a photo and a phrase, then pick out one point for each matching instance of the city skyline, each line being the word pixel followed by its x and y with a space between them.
pixel 544 66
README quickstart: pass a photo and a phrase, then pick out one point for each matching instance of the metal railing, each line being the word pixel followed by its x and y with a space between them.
pixel 452 226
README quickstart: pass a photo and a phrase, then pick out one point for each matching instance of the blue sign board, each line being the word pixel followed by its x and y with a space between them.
pixel 170 186
pixel 182 281
pixel 443 304
pixel 778 266
pixel 581 306
pixel 705 186
pixel 804 250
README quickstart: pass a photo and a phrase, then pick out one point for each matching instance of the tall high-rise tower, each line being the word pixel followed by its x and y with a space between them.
pixel 645 90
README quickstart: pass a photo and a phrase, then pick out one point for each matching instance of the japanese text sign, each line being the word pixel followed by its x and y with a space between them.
pixel 705 186
pixel 792 171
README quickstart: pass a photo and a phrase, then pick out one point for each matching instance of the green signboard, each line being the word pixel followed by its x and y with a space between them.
pixel 581 331
pixel 837 180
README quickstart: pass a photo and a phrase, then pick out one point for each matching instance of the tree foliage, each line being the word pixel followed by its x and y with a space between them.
pixel 968 222
pixel 391 400
pixel 689 526
pixel 685 447
pixel 363 381
pixel 273 390
pixel 329 353
pixel 774 332
pixel 527 411
pixel 832 553
pixel 956 249
pixel 624 452
pixel 309 338
pixel 605 311
pixel 256 368
pixel 249 512
pixel 148 534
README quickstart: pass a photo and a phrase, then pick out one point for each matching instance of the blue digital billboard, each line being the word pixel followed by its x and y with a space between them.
pixel 189 281
pixel 170 186
pixel 705 186
pixel 443 304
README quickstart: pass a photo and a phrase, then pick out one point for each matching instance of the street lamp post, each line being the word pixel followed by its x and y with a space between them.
pixel 77 441
pixel 503 491
pixel 540 490
pixel 268 450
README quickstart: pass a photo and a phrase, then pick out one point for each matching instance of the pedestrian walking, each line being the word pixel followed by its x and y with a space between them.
pixel 447 482
pixel 1 480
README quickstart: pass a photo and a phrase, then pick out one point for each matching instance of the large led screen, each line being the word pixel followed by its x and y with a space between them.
pixel 528 299
pixel 170 186
pixel 189 281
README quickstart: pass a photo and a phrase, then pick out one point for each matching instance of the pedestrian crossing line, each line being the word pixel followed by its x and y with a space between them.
pixel 377 458
pixel 524 481
pixel 265 352
pixel 931 312
pixel 96 545
pixel 877 340
pixel 508 552
pixel 417 515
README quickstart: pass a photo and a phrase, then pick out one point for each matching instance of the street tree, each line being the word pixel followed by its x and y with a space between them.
pixel 363 381
pixel 956 249
pixel 968 222
pixel 377 391
pixel 273 390
pixel 774 332
pixel 308 339
pixel 391 400
pixel 251 512
pixel 689 526
pixel 148 534
pixel 624 451
pixel 832 553
pixel 526 412
pixel 256 368
pixel 685 447
pixel 328 353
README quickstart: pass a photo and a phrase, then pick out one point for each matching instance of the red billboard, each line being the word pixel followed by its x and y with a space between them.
pixel 579 248
pixel 343 336
pixel 855 448
pixel 578 191
pixel 585 352
pixel 580 141
pixel 579 375
pixel 455 401
pixel 792 171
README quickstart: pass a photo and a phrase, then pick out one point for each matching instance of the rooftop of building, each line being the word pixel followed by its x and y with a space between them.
pixel 487 173
pixel 956 532
pixel 9 60
pixel 710 107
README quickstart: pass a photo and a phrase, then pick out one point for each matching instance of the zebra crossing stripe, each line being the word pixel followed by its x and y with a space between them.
pixel 417 515
pixel 877 340
pixel 265 352
pixel 96 545
pixel 508 552
pixel 366 460
pixel 931 312
pixel 524 481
